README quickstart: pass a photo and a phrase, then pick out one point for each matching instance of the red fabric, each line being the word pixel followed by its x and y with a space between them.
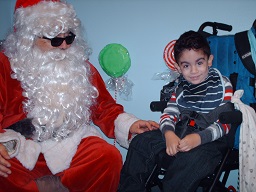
pixel 95 167
pixel 11 97
pixel 106 110
pixel 27 3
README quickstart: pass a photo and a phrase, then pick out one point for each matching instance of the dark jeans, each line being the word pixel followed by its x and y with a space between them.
pixel 185 170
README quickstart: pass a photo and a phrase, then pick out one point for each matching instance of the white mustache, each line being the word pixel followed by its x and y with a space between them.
pixel 57 55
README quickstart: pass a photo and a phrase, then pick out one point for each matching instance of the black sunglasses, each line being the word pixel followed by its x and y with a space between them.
pixel 57 41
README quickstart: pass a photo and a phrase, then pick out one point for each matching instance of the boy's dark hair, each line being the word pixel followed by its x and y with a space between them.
pixel 191 40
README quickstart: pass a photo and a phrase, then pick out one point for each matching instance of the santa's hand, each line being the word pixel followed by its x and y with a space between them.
pixel 142 126
pixel 4 164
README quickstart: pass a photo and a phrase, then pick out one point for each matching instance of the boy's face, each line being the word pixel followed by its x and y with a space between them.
pixel 194 65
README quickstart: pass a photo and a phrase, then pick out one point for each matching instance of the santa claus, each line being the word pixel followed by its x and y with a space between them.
pixel 50 101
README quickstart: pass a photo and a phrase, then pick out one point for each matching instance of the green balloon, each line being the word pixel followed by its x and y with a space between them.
pixel 115 60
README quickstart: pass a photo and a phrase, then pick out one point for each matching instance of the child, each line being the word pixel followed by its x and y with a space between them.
pixel 199 98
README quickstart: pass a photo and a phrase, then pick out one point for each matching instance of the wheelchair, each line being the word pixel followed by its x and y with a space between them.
pixel 212 183
pixel 215 182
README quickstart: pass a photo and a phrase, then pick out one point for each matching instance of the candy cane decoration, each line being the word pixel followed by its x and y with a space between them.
pixel 169 56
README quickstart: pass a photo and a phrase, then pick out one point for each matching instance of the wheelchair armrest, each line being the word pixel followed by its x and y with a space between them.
pixel 158 106
pixel 231 117
pixel 234 118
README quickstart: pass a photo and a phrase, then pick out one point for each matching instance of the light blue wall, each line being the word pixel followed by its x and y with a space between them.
pixel 6 11
pixel 145 27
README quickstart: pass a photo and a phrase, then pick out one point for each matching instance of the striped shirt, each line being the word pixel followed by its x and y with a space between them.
pixel 215 91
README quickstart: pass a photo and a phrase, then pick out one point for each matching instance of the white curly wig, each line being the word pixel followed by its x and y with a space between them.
pixel 56 83
pixel 47 18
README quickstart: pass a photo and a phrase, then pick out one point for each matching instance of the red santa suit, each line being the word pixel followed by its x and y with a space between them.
pixel 95 162
pixel 84 161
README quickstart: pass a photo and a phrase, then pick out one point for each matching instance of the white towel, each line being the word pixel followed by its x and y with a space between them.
pixel 247 145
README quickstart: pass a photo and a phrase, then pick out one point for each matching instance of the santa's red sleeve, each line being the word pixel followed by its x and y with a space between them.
pixel 108 115
pixel 11 98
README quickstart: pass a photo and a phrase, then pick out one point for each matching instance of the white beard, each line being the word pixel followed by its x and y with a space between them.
pixel 58 89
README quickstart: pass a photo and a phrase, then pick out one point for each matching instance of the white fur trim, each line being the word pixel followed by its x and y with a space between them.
pixel 123 123
pixel 58 155
pixel 28 154
pixel 27 151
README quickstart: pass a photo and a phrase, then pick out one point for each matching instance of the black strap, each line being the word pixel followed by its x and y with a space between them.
pixel 205 120
pixel 244 51
pixel 233 79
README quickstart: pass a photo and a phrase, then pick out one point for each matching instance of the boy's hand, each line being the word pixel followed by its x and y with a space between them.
pixel 172 142
pixel 189 142
pixel 4 164
pixel 142 126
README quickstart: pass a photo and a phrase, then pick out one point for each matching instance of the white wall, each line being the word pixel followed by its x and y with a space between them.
pixel 145 27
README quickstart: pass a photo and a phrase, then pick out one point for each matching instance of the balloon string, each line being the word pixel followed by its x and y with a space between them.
pixel 115 97
pixel 115 94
